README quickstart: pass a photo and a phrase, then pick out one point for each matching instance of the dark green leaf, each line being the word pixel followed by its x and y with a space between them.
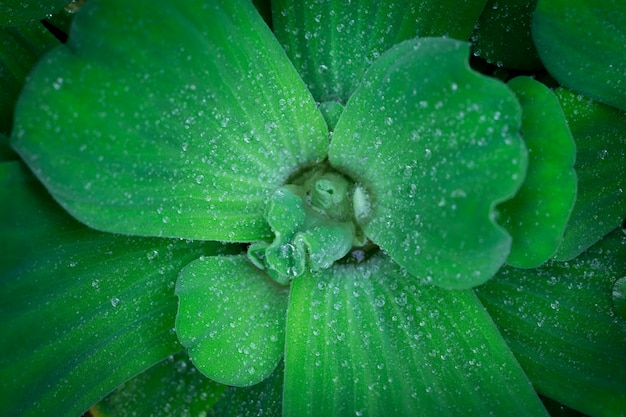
pixel 436 146
pixel 168 118
pixel 599 133
pixel 263 399
pixel 20 48
pixel 21 12
pixel 172 388
pixel 560 322
pixel 80 311
pixel 502 35
pixel 581 43
pixel 6 152
pixel 368 340
pixel 536 217
pixel 332 43
pixel 231 319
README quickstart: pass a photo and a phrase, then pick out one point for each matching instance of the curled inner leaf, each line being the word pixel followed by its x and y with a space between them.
pixel 313 220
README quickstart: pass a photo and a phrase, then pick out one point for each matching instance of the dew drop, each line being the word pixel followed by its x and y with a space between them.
pixel 619 297
pixel 115 301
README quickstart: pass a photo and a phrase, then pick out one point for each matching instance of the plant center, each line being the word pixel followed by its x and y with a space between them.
pixel 315 220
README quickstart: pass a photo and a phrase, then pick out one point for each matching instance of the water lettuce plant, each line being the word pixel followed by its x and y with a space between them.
pixel 343 208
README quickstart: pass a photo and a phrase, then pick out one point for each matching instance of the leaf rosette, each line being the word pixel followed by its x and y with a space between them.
pixel 373 195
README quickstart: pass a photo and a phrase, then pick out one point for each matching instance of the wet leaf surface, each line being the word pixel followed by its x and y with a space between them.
pixel 598 131
pixel 332 44
pixel 561 322
pixel 81 311
pixel 436 146
pixel 231 319
pixel 368 339
pixel 581 45
pixel 537 216
pixel 129 143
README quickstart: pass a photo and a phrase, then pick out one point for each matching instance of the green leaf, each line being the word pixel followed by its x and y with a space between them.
pixel 80 311
pixel 536 217
pixel 263 399
pixel 131 143
pixel 172 388
pixel 367 339
pixel 502 35
pixel 21 12
pixel 333 43
pixel 6 152
pixel 598 131
pixel 231 319
pixel 436 147
pixel 560 323
pixel 581 44
pixel 20 48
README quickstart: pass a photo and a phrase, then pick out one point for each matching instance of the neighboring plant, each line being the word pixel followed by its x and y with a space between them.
pixel 323 208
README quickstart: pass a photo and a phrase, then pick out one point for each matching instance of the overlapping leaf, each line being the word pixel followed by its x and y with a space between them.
pixel 81 311
pixel 20 48
pixel 23 12
pixel 231 319
pixel 333 43
pixel 168 120
pixel 581 44
pixel 598 131
pixel 367 339
pixel 436 146
pixel 264 398
pixel 536 217
pixel 561 322
pixel 502 35
pixel 172 388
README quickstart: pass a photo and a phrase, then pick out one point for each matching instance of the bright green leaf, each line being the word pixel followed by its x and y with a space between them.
pixel 536 217
pixel 21 12
pixel 502 35
pixel 560 322
pixel 436 147
pixel 172 388
pixel 263 399
pixel 129 142
pixel 598 131
pixel 581 43
pixel 367 339
pixel 332 43
pixel 231 319
pixel 81 311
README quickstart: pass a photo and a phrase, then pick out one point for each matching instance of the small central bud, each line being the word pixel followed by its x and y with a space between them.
pixel 314 220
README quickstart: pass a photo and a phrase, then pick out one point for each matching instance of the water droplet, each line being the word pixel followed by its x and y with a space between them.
pixel 152 254
pixel 57 83
pixel 361 203
pixel 115 301
pixel 619 297
pixel 379 301
pixel 400 299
